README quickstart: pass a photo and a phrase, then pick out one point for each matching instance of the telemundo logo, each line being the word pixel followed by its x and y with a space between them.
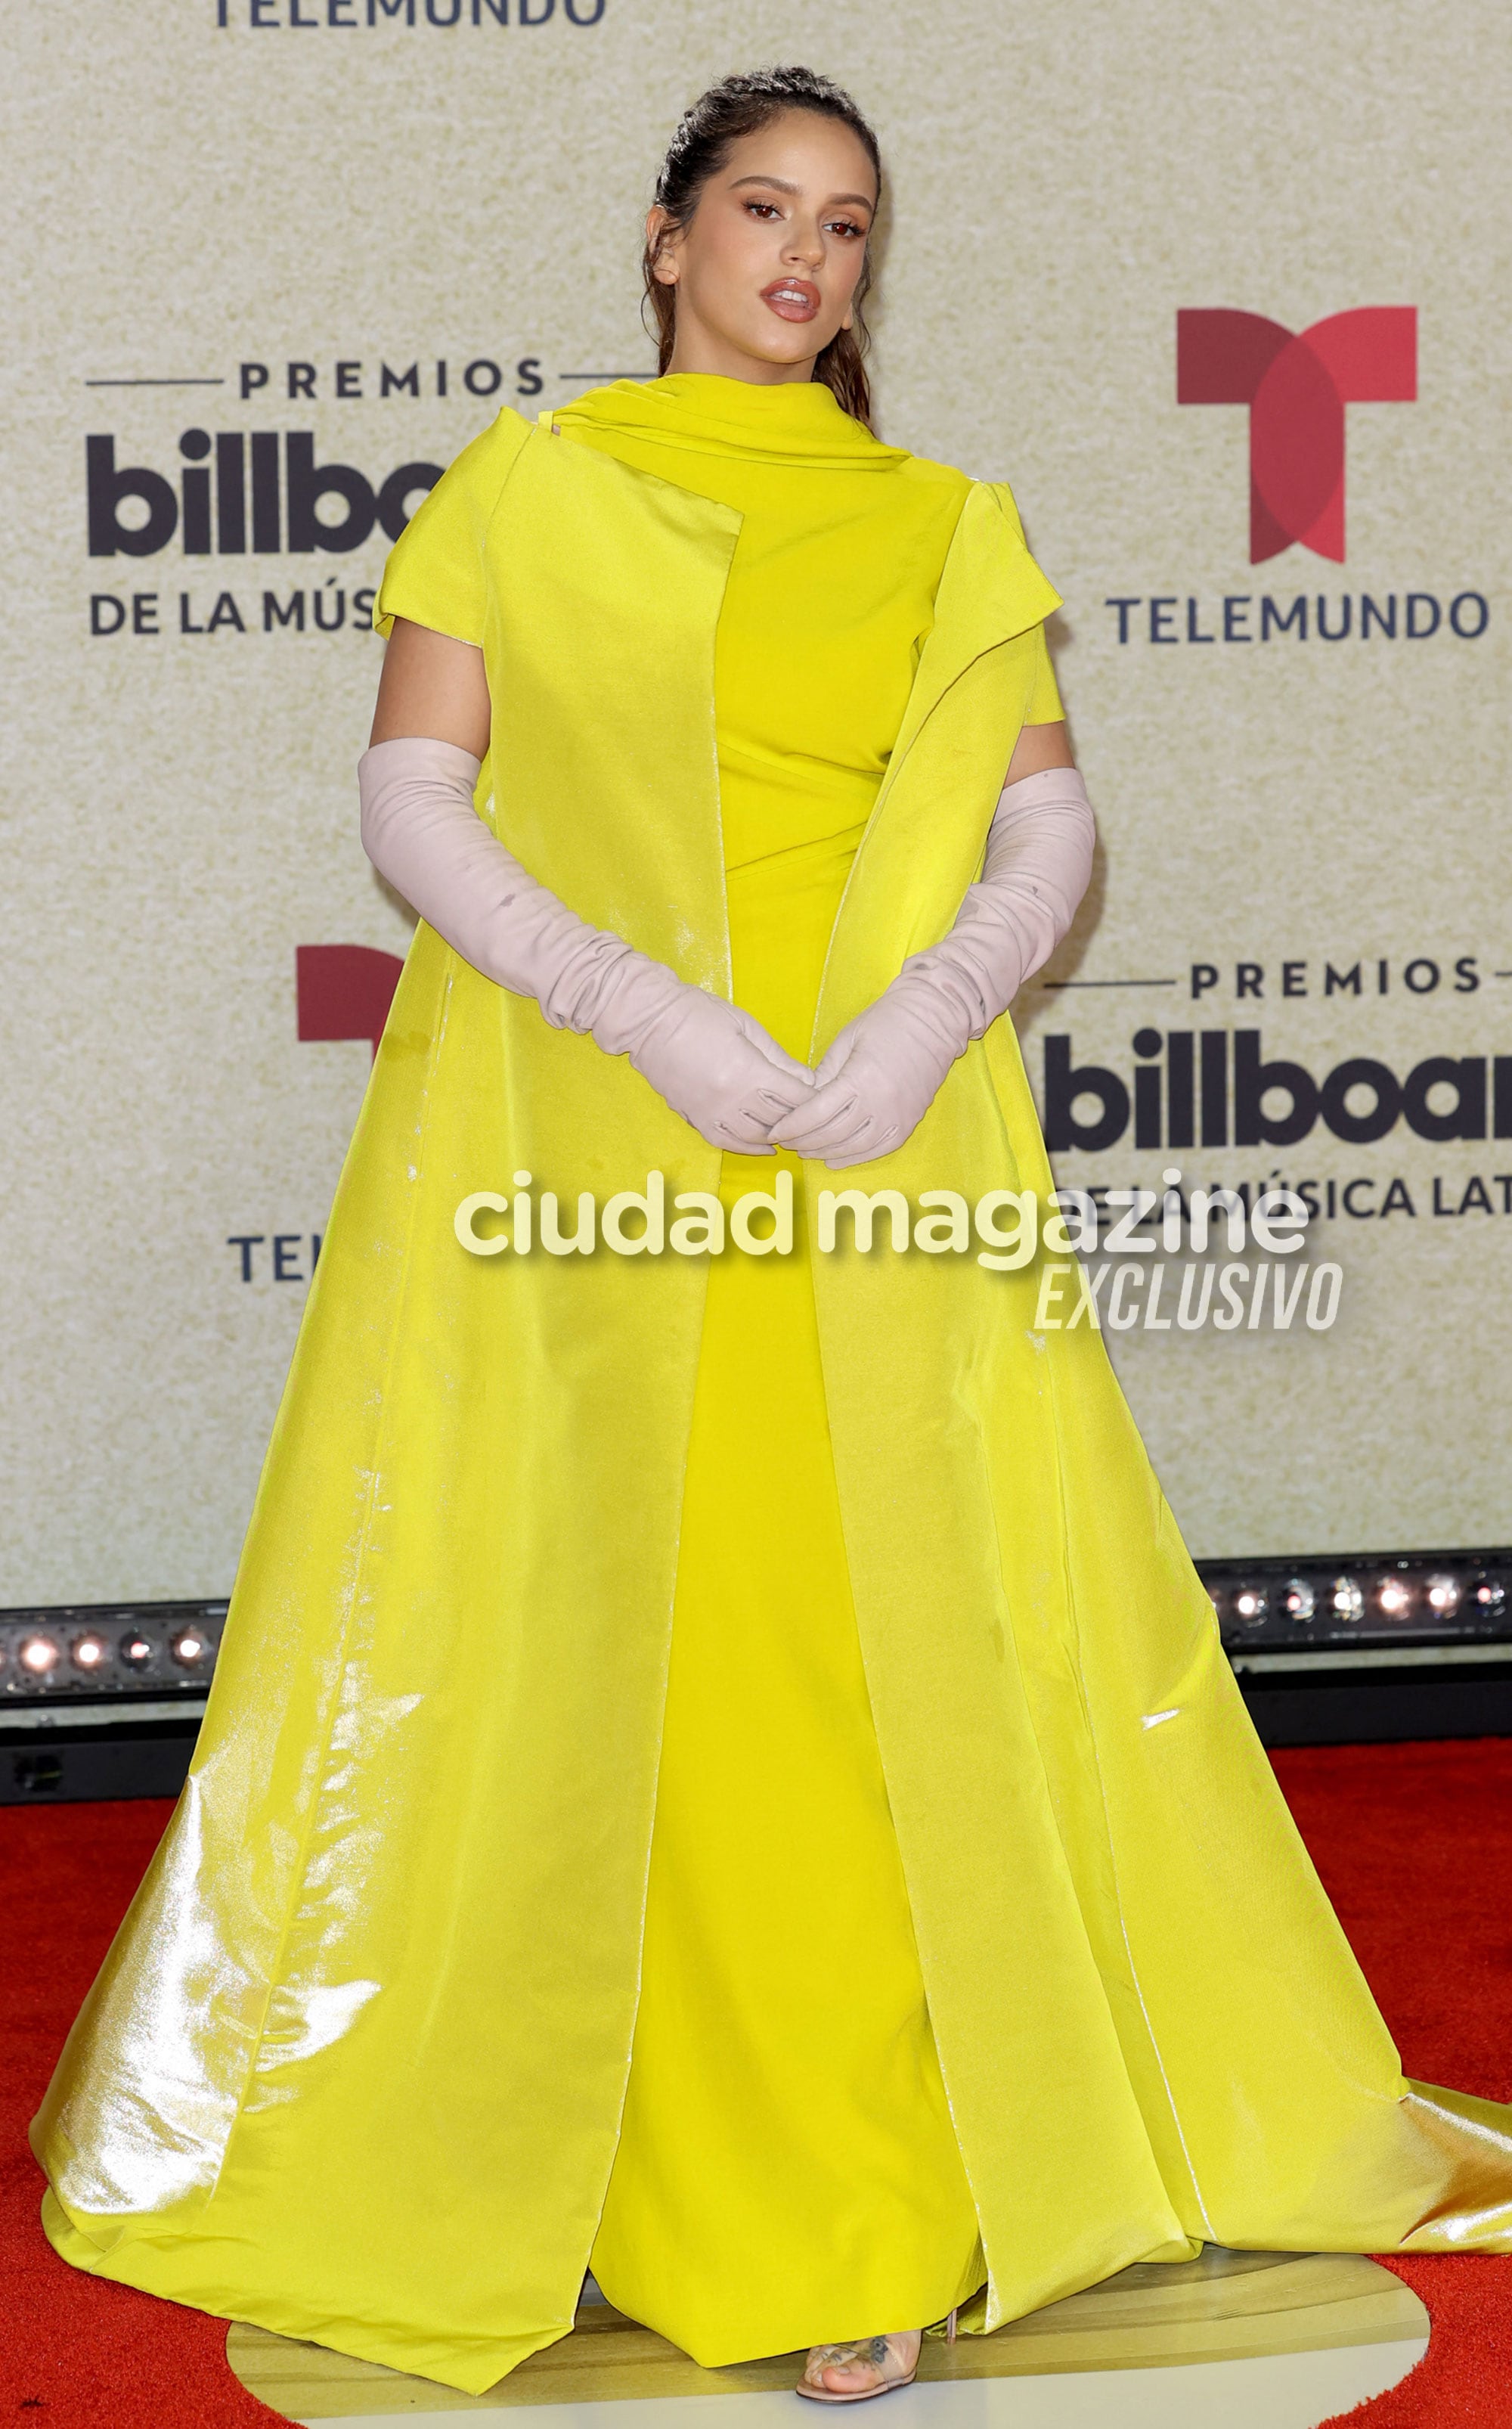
pixel 310 16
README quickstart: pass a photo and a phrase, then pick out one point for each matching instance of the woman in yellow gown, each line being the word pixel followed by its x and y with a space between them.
pixel 721 1769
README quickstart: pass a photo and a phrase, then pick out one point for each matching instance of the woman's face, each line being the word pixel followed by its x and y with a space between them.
pixel 766 267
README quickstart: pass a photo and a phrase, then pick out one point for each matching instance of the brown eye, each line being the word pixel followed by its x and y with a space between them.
pixel 769 209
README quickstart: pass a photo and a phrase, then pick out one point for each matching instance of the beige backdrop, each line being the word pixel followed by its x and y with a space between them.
pixel 187 196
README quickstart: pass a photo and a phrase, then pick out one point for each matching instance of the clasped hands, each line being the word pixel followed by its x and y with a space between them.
pixel 717 1067
pixel 712 1063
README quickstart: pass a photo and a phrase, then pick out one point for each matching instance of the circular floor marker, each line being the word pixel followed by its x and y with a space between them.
pixel 1257 2340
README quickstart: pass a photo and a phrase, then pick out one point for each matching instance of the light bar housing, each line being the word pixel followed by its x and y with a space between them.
pixel 114 1653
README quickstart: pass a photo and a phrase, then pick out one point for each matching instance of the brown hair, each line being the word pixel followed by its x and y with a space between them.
pixel 739 105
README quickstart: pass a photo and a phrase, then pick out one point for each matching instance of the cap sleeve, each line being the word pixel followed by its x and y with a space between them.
pixel 1039 598
pixel 435 574
pixel 1045 706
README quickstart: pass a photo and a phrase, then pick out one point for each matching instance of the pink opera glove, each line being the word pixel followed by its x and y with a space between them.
pixel 711 1062
pixel 883 1071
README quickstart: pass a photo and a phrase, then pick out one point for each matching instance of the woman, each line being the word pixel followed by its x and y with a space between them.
pixel 720 1766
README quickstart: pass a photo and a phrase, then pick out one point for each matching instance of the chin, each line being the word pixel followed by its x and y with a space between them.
pixel 789 342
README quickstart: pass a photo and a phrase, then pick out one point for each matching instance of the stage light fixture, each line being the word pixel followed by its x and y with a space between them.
pixel 1430 1608
pixel 81 1654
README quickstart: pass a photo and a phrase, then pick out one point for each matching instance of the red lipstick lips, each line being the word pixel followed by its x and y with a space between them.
pixel 792 299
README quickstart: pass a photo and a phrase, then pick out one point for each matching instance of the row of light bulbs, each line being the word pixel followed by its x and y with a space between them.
pixel 45 1657
pixel 1439 1596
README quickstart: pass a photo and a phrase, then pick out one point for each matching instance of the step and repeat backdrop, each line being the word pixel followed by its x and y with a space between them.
pixel 1211 287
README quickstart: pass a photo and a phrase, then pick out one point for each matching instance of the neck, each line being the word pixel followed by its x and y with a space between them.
pixel 700 350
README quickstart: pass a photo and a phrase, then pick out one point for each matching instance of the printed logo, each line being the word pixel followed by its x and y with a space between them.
pixel 1203 1096
pixel 1296 388
pixel 276 16
pixel 285 511
pixel 343 991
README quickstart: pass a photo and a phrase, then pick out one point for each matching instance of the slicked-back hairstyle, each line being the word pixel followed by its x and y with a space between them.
pixel 706 134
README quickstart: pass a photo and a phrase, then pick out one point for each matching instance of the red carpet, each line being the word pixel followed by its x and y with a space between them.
pixel 1415 1846
pixel 78 2353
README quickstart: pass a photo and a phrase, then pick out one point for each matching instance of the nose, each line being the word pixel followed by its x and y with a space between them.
pixel 805 244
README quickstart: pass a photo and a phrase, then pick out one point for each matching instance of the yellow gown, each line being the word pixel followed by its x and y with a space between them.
pixel 358 2065
pixel 787 2170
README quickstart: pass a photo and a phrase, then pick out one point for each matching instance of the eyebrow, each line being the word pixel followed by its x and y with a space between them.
pixel 867 202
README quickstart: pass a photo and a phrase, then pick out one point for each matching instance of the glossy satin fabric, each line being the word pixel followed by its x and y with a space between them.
pixel 355 2065
pixel 786 2171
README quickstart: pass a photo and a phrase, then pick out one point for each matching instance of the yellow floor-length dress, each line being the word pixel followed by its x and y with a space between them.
pixel 355 2068
pixel 787 2170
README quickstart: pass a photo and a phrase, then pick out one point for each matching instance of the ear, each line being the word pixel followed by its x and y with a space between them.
pixel 661 241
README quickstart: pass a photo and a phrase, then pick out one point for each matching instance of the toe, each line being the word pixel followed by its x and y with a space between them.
pixel 850 2378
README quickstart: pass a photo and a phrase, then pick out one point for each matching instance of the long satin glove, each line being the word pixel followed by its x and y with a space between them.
pixel 883 1071
pixel 711 1063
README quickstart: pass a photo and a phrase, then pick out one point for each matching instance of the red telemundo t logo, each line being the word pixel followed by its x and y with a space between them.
pixel 1296 388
